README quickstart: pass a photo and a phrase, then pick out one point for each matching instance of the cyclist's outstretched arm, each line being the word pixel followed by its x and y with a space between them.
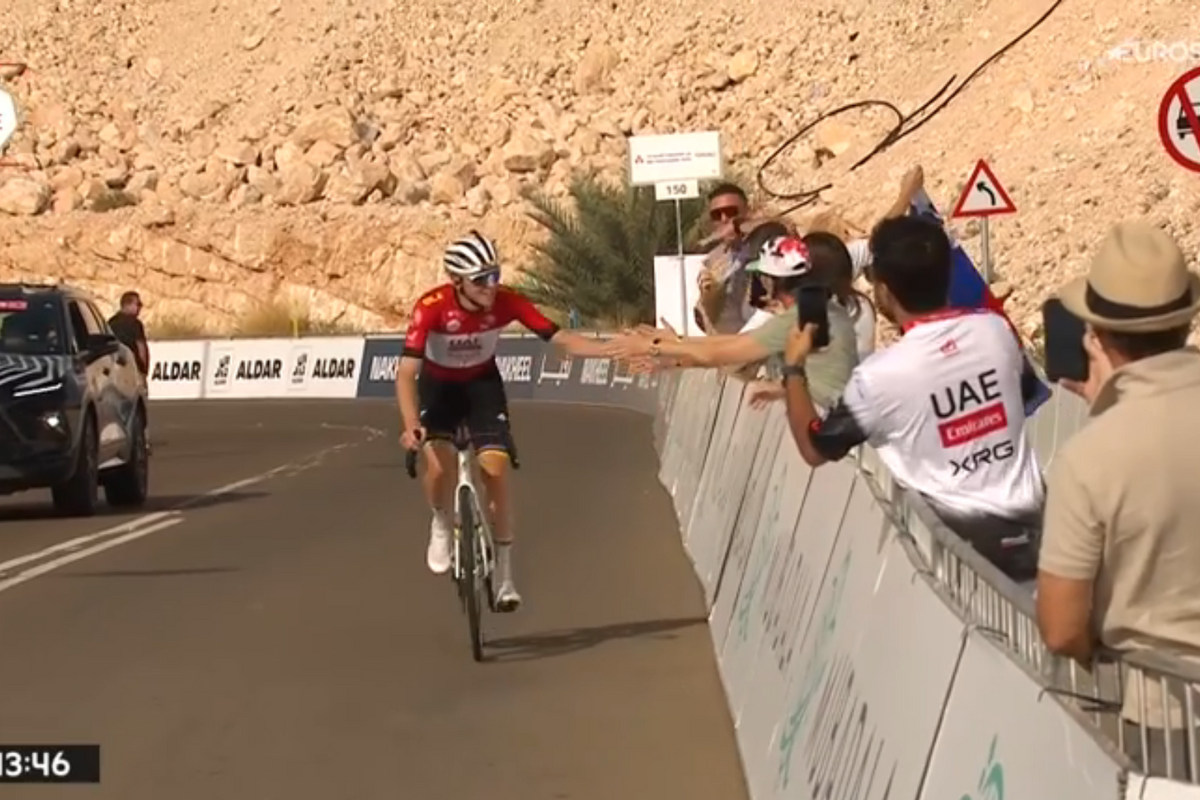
pixel 535 321
pixel 578 345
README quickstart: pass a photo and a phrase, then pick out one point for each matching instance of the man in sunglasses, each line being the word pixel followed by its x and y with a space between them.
pixel 724 285
pixel 448 375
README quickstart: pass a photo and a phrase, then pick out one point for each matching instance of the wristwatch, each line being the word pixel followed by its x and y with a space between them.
pixel 655 349
pixel 794 371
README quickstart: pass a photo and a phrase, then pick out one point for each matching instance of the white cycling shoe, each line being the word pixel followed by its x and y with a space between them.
pixel 507 598
pixel 439 555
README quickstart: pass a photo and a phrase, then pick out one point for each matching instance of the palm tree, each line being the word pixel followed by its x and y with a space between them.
pixel 599 258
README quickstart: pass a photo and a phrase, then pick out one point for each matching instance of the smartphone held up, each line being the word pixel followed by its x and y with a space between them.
pixel 812 307
pixel 1066 358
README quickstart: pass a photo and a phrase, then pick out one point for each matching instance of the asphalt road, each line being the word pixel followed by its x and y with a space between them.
pixel 267 629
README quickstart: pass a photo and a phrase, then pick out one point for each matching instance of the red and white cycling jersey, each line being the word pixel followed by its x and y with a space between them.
pixel 459 345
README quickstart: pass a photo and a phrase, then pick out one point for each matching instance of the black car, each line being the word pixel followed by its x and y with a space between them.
pixel 72 403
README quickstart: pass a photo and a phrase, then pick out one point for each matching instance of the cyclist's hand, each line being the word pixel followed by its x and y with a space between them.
pixel 412 439
pixel 629 346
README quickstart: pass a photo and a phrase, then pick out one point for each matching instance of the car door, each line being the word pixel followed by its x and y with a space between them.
pixel 99 381
pixel 125 378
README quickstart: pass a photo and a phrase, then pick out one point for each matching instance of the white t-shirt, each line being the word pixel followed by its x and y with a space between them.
pixel 863 316
pixel 944 409
pixel 756 319
pixel 860 255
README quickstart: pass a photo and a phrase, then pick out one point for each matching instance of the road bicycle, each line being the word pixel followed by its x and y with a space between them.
pixel 473 559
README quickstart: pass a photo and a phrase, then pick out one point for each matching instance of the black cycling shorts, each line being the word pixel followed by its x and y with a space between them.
pixel 480 402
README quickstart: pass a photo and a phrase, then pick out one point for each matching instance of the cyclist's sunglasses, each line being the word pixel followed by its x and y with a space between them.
pixel 484 279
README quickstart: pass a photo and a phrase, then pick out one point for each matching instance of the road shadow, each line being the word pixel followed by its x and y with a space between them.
pixel 32 511
pixel 564 642
pixel 147 573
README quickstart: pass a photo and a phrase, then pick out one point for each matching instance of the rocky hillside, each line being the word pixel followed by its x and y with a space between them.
pixel 218 152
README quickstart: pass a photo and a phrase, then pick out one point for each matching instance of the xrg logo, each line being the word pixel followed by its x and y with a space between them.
pixel 982 457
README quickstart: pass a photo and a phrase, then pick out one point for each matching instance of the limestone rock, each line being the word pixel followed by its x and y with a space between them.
pixel 24 197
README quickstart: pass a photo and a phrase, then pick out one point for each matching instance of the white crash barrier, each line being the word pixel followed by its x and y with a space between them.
pixel 849 672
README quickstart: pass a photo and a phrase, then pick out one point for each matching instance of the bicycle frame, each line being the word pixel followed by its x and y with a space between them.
pixel 467 467
pixel 466 491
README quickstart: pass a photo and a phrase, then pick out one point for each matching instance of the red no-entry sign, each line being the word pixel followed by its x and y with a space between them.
pixel 1179 120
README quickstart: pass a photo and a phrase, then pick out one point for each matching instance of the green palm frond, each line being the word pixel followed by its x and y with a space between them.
pixel 598 253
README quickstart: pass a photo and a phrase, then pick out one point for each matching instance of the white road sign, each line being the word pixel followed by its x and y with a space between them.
pixel 677 190
pixel 8 118
pixel 674 157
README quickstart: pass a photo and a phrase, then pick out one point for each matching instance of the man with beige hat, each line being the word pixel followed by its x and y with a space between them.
pixel 1119 564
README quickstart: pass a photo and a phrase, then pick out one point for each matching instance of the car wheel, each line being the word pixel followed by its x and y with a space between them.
pixel 129 484
pixel 78 495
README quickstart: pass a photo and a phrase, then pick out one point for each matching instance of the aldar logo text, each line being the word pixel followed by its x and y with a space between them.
pixel 328 368
pixel 259 369
pixel 190 370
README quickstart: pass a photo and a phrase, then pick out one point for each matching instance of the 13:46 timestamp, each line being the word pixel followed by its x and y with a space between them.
pixel 49 763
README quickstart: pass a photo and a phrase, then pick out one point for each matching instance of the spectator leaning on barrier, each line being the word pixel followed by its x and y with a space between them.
pixel 1120 555
pixel 785 264
pixel 943 406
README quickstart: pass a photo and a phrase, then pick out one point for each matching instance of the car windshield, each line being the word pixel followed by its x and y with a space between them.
pixel 30 327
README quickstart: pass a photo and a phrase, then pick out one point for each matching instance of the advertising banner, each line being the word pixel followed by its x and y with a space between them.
pixel 824 666
pixel 177 370
pixel 325 367
pixel 1003 736
pixel 251 368
pixel 743 544
pixel 762 583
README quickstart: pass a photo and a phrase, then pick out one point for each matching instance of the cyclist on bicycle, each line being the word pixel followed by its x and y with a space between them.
pixel 448 375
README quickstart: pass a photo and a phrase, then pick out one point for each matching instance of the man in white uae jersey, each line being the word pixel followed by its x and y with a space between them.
pixel 943 407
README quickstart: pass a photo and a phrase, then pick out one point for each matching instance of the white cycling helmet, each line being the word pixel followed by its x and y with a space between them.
pixel 471 255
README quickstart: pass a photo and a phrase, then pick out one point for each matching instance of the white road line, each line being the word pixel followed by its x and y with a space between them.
pixel 136 528
pixel 80 541
pixel 50 566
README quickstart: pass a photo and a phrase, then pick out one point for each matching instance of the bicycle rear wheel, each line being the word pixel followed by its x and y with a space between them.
pixel 471 577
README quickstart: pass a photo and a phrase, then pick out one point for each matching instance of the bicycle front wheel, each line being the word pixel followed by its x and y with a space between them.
pixel 471 574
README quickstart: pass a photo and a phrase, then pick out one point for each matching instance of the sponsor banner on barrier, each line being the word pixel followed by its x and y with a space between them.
pixel 703 400
pixel 532 370
pixel 818 529
pixel 1003 736
pixel 729 401
pixel 279 368
pixel 822 657
pixel 760 586
pixel 327 367
pixel 727 477
pixel 725 622
pixel 516 358
pixel 875 718
pixel 177 370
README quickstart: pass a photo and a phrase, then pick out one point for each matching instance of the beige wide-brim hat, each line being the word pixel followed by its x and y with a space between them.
pixel 1138 283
